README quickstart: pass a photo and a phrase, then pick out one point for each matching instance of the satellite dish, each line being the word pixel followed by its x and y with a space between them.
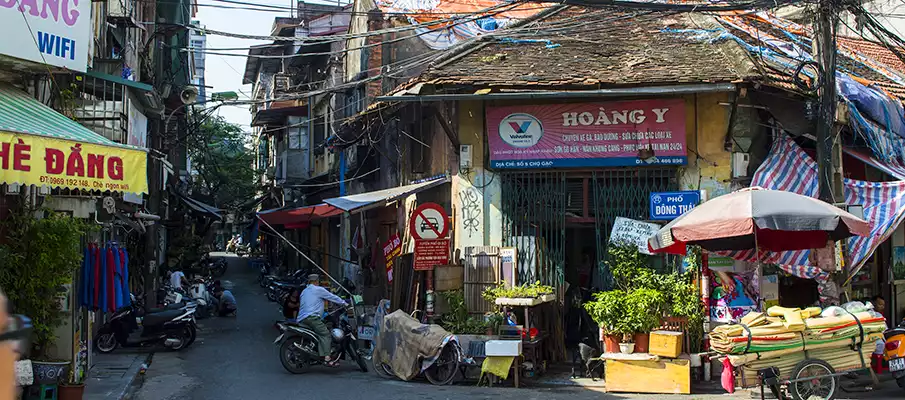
pixel 189 95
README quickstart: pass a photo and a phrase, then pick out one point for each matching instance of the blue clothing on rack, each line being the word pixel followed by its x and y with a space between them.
pixel 127 298
pixel 117 280
pixel 102 294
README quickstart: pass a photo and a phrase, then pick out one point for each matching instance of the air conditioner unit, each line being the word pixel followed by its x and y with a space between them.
pixel 282 82
pixel 11 189
pixel 120 8
pixel 740 165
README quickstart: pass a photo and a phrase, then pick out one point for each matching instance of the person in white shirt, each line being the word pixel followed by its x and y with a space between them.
pixel 177 279
pixel 311 312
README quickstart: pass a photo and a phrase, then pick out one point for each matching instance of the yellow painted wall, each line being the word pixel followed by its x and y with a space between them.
pixel 709 164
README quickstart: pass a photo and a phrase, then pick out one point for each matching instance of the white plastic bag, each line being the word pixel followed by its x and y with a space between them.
pixel 24 374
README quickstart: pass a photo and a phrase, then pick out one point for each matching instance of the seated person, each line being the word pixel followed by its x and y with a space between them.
pixel 226 302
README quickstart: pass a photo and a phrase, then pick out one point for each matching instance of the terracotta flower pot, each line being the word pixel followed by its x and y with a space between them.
pixel 642 342
pixel 611 343
pixel 71 392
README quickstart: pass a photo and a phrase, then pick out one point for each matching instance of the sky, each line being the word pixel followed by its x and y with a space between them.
pixel 225 73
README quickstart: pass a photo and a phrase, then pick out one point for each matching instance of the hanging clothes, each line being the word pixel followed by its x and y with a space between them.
pixel 117 279
pixel 110 304
pixel 127 298
pixel 96 278
pixel 102 280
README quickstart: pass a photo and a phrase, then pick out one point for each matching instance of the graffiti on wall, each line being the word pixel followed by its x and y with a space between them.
pixel 470 204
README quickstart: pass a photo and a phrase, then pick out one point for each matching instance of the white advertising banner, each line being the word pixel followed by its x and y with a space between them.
pixel 54 32
pixel 138 136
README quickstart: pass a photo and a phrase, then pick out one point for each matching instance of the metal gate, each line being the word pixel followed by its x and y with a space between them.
pixel 534 222
pixel 535 206
pixel 624 193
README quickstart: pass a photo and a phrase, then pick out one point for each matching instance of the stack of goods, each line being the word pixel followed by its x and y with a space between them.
pixel 783 337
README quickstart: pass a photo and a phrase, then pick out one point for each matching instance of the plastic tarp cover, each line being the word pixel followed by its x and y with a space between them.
pixel 408 346
pixel 881 108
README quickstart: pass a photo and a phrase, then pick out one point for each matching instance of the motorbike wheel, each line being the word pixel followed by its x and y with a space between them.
pixel 271 296
pixel 353 352
pixel 292 358
pixel 187 336
pixel 194 335
pixel 901 382
pixel 445 367
pixel 105 342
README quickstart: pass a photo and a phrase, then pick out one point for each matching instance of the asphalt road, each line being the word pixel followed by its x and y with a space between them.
pixel 234 358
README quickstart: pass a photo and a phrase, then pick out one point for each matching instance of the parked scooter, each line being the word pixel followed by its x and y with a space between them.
pixel 299 345
pixel 133 327
pixel 200 293
pixel 894 353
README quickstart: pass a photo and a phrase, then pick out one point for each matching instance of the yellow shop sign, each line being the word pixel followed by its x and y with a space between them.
pixel 39 160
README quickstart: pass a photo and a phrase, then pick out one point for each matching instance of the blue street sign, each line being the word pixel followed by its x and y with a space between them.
pixel 670 205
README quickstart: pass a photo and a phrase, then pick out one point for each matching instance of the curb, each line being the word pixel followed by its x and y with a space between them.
pixel 134 383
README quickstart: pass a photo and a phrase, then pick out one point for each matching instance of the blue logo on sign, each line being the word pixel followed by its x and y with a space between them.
pixel 670 205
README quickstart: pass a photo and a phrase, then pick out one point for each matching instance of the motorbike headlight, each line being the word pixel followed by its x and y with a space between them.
pixel 337 334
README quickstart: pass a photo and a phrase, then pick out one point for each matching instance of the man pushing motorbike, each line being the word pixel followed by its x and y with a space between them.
pixel 311 314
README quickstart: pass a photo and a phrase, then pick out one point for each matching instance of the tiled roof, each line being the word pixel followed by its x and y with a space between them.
pixel 585 48
pixel 867 61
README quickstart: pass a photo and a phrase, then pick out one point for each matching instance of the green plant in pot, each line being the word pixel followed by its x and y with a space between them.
pixel 38 258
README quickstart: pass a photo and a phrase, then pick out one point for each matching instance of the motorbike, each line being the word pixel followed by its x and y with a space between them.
pixel 277 291
pixel 200 293
pixel 243 250
pixel 131 326
pixel 894 353
pixel 299 345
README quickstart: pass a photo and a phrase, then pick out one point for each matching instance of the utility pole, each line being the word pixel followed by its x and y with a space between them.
pixel 829 150
pixel 825 45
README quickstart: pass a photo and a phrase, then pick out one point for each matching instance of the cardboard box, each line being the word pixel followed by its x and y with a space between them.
pixel 666 343
pixel 510 348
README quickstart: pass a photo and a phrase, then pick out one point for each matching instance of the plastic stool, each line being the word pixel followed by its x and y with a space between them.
pixel 41 392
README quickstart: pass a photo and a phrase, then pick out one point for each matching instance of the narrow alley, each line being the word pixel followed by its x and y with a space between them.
pixel 234 358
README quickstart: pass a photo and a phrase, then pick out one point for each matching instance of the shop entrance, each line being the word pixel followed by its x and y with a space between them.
pixel 559 222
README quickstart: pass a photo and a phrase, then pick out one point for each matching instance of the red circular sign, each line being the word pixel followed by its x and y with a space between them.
pixel 429 222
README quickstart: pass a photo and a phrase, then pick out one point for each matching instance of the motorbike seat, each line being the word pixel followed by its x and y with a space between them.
pixel 162 317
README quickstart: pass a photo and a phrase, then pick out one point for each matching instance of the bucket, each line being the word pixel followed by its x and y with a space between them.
pixel 627 348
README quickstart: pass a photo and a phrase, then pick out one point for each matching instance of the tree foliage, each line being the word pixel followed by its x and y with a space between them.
pixel 38 257
pixel 222 162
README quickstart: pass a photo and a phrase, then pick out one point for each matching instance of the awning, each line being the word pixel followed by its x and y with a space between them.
pixel 39 146
pixel 201 207
pixel 894 169
pixel 380 198
pixel 300 215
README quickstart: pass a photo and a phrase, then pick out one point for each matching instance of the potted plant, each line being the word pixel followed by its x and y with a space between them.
pixel 74 388
pixel 643 311
pixel 37 260
pixel 520 295
pixel 607 310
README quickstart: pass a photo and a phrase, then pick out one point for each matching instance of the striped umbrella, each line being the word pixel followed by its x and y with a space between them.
pixel 757 218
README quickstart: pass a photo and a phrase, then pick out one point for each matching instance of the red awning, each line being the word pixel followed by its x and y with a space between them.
pixel 299 215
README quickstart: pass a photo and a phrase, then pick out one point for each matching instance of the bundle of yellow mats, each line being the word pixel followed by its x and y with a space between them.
pixel 792 329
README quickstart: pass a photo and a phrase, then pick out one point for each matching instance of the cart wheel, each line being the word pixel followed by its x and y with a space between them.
pixel 813 379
